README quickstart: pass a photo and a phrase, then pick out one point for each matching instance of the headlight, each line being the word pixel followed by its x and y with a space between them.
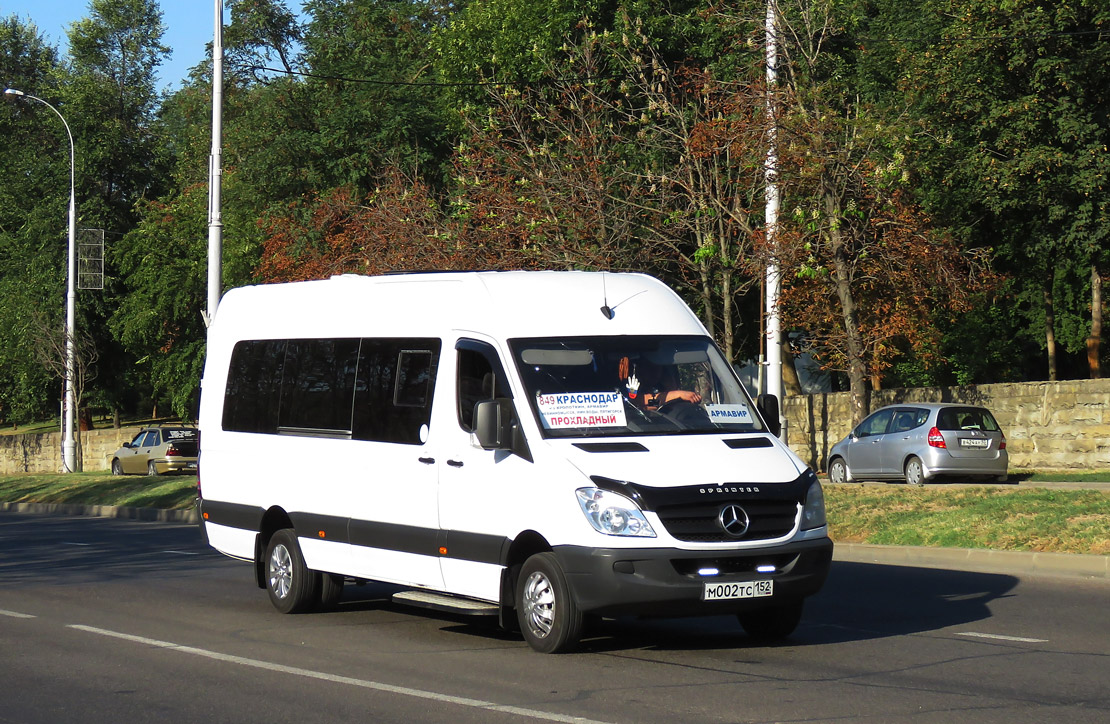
pixel 613 514
pixel 813 512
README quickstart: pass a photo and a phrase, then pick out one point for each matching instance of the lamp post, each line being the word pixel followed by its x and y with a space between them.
pixel 69 445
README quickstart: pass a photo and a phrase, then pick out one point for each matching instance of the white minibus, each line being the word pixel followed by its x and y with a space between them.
pixel 541 447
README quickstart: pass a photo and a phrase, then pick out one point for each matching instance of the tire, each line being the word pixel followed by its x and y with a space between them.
pixel 151 468
pixel 331 590
pixel 292 587
pixel 771 624
pixel 914 472
pixel 838 471
pixel 117 468
pixel 549 619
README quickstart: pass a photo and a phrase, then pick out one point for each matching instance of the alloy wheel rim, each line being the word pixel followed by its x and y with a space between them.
pixel 281 571
pixel 539 604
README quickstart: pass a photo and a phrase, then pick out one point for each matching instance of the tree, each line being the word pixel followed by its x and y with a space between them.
pixel 50 340
pixel 34 198
pixel 868 269
pixel 1012 101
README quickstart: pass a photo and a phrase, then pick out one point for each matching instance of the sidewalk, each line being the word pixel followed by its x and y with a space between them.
pixel 976 560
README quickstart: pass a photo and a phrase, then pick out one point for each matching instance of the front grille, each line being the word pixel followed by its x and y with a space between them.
pixel 698 523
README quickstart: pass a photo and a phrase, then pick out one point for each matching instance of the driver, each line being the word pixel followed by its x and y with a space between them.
pixel 649 386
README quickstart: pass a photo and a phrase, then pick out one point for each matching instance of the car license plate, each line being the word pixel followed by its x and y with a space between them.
pixel 974 442
pixel 743 589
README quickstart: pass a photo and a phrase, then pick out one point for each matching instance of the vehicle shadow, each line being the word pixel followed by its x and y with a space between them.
pixel 860 601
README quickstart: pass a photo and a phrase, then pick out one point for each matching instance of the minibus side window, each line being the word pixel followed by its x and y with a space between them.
pixel 318 385
pixel 254 386
pixel 480 377
pixel 393 389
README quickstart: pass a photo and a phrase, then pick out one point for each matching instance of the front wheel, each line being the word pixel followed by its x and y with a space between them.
pixel 117 468
pixel 549 618
pixel 772 624
pixel 289 582
pixel 915 472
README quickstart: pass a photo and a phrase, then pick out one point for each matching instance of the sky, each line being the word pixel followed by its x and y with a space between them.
pixel 189 27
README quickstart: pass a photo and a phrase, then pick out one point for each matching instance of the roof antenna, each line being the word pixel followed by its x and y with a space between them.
pixel 605 309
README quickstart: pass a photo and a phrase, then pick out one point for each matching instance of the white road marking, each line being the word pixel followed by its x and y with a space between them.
pixel 15 614
pixel 1000 637
pixel 346 680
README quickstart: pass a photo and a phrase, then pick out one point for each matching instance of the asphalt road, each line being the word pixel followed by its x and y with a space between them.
pixel 105 620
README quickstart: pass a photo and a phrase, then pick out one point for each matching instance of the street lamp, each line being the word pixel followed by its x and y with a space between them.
pixel 69 445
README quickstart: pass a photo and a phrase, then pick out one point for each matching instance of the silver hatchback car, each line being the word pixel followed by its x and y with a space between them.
pixel 920 442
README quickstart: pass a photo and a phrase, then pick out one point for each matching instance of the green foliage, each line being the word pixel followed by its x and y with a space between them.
pixel 588 133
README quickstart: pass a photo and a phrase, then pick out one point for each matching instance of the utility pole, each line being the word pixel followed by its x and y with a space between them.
pixel 771 196
pixel 215 169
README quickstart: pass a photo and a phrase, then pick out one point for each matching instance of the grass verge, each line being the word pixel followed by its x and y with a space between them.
pixel 139 491
pixel 999 518
pixel 1032 519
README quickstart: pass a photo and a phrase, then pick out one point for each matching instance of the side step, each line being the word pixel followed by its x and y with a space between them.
pixel 446 603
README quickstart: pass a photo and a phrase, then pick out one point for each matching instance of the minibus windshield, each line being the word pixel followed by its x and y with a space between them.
pixel 631 385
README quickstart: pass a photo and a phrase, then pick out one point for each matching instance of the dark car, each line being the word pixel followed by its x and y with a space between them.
pixel 158 450
pixel 919 442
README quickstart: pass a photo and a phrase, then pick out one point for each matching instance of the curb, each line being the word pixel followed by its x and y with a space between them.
pixel 976 560
pixel 979 560
pixel 104 511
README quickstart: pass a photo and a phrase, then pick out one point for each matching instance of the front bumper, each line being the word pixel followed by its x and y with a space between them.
pixel 665 582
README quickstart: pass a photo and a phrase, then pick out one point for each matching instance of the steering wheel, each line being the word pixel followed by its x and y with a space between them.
pixel 683 412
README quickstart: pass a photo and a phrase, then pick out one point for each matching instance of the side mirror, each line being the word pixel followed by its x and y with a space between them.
pixel 127 445
pixel 493 424
pixel 769 408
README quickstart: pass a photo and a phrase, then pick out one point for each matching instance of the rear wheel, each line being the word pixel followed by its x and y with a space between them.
pixel 549 619
pixel 151 468
pixel 915 472
pixel 291 585
pixel 772 624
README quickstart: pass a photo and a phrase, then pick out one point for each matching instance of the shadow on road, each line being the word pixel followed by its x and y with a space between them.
pixel 860 601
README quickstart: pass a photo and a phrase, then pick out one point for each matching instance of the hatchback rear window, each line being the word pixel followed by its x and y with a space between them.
pixel 966 418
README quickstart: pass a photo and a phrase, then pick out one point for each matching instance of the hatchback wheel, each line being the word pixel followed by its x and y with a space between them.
pixel 151 468
pixel 117 469
pixel 838 471
pixel 915 472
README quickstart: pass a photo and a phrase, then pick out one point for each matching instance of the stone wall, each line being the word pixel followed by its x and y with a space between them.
pixel 1048 425
pixel 42 452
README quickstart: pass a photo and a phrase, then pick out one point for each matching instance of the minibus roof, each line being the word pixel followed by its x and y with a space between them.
pixel 500 304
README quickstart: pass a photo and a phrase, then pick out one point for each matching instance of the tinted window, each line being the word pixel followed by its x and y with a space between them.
pixel 480 377
pixel 370 389
pixel 876 424
pixel 318 384
pixel 393 389
pixel 966 418
pixel 254 386
pixel 905 420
